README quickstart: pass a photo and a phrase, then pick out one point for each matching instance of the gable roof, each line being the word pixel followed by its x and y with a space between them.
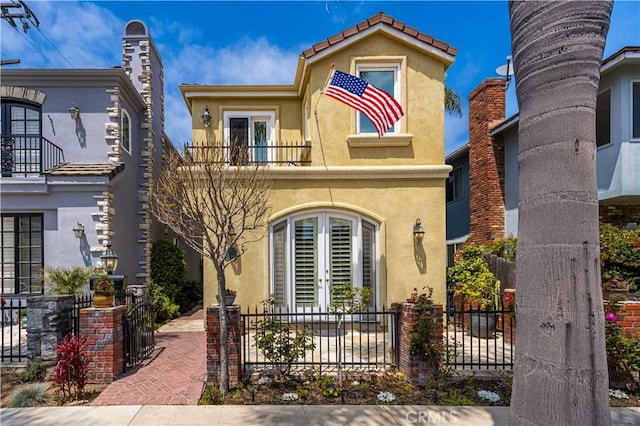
pixel 383 21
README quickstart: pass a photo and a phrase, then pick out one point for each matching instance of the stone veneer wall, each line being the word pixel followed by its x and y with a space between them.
pixel 48 322
pixel 486 162
pixel 620 213
pixel 145 219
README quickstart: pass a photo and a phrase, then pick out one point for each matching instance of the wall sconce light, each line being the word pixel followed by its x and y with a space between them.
pixel 418 231
pixel 79 230
pixel 74 112
pixel 206 117
pixel 109 260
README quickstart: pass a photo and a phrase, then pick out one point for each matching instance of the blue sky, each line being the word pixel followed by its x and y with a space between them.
pixel 258 42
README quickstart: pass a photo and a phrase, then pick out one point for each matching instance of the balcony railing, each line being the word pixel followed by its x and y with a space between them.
pixel 28 156
pixel 283 154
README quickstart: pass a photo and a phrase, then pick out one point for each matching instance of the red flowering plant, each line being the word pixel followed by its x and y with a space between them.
pixel 104 286
pixel 509 304
pixel 614 284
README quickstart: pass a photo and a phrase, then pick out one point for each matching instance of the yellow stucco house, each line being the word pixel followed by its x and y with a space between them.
pixel 344 203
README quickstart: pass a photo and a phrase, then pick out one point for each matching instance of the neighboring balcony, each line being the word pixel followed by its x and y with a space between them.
pixel 283 154
pixel 28 156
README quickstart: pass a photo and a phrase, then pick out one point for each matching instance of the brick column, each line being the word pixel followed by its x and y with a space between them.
pixel 233 343
pixel 48 322
pixel 486 162
pixel 417 368
pixel 103 328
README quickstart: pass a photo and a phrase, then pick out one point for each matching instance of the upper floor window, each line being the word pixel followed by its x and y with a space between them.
pixel 384 76
pixel 21 138
pixel 603 118
pixel 635 110
pixel 249 136
pixel 125 131
pixel 454 185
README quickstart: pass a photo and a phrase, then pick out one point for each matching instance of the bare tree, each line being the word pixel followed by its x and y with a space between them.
pixel 217 208
pixel 560 370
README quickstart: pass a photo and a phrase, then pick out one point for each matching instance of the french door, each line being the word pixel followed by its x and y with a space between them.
pixel 313 253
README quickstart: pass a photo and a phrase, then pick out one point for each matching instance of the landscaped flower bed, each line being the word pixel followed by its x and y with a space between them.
pixel 389 388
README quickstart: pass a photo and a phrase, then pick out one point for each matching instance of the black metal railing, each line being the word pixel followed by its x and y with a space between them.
pixel 281 154
pixel 361 341
pixel 479 339
pixel 81 302
pixel 138 327
pixel 14 329
pixel 27 156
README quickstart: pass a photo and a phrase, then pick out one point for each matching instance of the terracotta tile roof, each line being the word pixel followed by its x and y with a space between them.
pixel 379 18
pixel 87 169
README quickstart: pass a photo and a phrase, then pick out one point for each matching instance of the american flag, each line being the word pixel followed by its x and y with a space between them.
pixel 379 106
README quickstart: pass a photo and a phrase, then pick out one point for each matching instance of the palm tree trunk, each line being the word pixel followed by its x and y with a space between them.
pixel 560 370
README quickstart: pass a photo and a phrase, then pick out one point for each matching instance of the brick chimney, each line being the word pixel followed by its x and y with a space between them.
pixel 486 162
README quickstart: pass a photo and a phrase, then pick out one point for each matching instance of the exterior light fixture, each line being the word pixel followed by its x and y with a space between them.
pixel 109 260
pixel 78 230
pixel 74 112
pixel 418 231
pixel 206 117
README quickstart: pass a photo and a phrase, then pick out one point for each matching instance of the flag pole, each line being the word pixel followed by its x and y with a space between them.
pixel 331 70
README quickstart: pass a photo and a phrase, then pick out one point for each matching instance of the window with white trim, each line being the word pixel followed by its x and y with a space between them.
pixel 384 76
pixel 635 109
pixel 603 118
pixel 249 136
pixel 314 251
pixel 125 131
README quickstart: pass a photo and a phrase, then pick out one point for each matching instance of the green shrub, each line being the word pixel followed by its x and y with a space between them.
pixel 212 395
pixel 620 254
pixel 168 268
pixel 503 247
pixel 280 345
pixel 36 372
pixel 67 280
pixel 190 295
pixel 28 395
pixel 163 308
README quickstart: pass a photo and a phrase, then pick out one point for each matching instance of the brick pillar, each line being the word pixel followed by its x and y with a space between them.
pixel 416 367
pixel 486 162
pixel 233 343
pixel 48 322
pixel 103 328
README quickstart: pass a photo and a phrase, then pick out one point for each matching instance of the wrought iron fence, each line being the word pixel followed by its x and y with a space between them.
pixel 14 329
pixel 81 302
pixel 361 341
pixel 480 339
pixel 138 327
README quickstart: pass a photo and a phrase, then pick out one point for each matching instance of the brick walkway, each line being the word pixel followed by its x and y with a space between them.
pixel 173 375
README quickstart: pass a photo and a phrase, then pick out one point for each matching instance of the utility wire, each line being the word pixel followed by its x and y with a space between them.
pixel 52 45
pixel 36 48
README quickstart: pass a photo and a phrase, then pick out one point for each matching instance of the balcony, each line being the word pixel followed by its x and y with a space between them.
pixel 28 156
pixel 283 154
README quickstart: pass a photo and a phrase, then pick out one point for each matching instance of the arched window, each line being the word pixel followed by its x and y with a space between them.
pixel 311 252
pixel 21 139
pixel 125 131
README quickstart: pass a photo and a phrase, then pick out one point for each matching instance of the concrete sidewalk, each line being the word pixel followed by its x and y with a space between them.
pixel 306 415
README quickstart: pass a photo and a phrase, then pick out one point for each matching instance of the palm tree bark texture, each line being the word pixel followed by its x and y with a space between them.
pixel 560 370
